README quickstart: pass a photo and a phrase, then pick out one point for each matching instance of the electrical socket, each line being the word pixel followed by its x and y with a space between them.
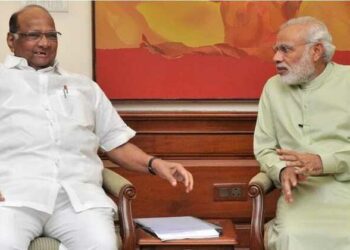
pixel 230 191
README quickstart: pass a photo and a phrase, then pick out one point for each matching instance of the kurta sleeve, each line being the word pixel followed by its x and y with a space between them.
pixel 337 163
pixel 265 141
pixel 336 157
pixel 110 128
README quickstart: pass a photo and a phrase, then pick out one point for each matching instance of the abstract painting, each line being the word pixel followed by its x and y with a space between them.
pixel 199 49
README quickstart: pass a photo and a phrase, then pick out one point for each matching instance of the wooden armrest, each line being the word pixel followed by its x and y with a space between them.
pixel 123 192
pixel 113 183
pixel 262 182
pixel 259 186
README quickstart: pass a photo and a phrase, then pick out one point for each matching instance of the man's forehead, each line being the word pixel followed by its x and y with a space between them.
pixel 34 16
pixel 291 35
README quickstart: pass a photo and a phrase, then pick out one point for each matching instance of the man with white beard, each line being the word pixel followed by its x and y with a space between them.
pixel 302 140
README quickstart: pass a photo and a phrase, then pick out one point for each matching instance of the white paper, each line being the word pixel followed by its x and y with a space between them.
pixel 173 228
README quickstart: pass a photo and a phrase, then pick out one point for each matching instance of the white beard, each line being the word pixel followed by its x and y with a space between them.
pixel 300 72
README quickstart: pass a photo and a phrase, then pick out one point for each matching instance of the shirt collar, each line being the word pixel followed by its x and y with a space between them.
pixel 15 62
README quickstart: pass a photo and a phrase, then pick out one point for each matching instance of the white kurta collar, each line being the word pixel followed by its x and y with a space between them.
pixel 12 62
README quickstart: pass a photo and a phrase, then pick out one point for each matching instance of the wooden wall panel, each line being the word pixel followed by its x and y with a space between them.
pixel 195 144
pixel 200 202
pixel 217 148
pixel 194 134
pixel 191 121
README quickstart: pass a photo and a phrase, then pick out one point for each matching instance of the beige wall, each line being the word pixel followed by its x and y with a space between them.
pixel 75 45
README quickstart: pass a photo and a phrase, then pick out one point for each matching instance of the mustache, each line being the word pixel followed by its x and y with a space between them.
pixel 281 65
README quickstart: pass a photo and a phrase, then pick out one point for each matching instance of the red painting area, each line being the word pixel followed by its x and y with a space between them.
pixel 138 74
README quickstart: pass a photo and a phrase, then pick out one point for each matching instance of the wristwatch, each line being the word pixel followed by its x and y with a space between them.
pixel 150 167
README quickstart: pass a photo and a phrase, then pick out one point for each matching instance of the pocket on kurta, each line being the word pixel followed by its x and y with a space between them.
pixel 74 106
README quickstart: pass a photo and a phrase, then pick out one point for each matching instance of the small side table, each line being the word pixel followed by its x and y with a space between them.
pixel 226 241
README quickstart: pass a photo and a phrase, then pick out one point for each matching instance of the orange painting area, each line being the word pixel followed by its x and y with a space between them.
pixel 198 50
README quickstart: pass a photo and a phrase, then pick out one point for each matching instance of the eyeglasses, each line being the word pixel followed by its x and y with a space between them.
pixel 37 35
pixel 286 49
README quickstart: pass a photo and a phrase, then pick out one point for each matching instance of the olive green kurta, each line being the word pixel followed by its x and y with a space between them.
pixel 314 118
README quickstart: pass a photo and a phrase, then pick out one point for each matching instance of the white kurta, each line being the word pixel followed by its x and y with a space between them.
pixel 52 124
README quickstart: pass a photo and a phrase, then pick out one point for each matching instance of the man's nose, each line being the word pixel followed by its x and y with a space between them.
pixel 278 56
pixel 43 41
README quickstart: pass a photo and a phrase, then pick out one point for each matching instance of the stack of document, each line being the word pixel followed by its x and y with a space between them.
pixel 175 228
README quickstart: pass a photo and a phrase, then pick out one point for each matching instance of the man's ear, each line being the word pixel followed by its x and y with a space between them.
pixel 318 51
pixel 10 41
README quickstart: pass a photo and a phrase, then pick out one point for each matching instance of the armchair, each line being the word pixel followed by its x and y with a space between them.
pixel 259 186
pixel 122 192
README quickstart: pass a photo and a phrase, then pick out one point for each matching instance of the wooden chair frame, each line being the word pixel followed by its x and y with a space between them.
pixel 259 186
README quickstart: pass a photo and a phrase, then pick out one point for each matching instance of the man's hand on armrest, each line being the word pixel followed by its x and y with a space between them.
pixel 289 179
pixel 298 167
pixel 304 163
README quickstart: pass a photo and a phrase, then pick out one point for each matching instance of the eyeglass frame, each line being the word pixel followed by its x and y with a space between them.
pixel 26 35
pixel 285 49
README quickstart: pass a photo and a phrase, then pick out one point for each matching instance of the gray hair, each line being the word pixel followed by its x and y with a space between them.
pixel 316 33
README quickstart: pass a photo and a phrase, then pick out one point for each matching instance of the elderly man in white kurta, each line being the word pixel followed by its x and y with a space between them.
pixel 52 124
pixel 302 140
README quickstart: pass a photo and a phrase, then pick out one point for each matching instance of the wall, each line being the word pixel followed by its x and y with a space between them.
pixel 75 54
pixel 75 45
